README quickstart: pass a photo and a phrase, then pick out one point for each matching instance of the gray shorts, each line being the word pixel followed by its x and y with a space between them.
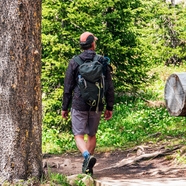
pixel 85 122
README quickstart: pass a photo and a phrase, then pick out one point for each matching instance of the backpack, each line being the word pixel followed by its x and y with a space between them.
pixel 91 81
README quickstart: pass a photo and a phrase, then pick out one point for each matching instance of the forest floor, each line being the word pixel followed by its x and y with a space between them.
pixel 144 162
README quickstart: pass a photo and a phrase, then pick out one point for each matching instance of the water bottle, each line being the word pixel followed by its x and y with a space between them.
pixel 81 81
pixel 79 78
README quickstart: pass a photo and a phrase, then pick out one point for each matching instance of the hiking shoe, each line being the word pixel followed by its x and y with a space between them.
pixel 88 165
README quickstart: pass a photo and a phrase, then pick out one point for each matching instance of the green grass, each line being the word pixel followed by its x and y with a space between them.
pixel 134 121
pixel 55 179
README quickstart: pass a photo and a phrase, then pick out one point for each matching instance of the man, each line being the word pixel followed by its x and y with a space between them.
pixel 85 120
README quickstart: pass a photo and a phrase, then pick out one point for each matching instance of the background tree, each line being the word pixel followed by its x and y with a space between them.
pixel 134 34
pixel 168 34
pixel 20 89
pixel 115 25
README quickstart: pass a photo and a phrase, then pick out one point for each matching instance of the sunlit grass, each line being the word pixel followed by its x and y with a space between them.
pixel 134 121
pixel 162 73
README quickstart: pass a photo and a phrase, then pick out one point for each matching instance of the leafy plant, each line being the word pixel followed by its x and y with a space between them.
pixel 55 179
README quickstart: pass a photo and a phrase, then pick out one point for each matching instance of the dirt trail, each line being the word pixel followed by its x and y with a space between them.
pixel 139 162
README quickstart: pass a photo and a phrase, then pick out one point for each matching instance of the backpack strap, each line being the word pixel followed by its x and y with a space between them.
pixel 78 60
pixel 96 57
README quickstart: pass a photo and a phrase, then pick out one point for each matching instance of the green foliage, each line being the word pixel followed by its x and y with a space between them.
pixel 55 141
pixel 134 121
pixel 55 179
pixel 59 179
pixel 166 34
pixel 113 22
pixel 136 35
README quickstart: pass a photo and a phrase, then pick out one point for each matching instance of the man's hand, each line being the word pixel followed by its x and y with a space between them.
pixel 108 114
pixel 64 114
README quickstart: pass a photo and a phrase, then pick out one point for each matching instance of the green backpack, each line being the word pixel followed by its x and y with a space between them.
pixel 91 81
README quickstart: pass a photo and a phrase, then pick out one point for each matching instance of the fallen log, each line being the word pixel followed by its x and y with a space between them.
pixel 175 94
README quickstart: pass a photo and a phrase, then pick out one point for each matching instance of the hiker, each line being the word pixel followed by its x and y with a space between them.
pixel 85 118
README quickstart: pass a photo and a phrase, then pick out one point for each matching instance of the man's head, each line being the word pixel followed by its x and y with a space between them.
pixel 87 41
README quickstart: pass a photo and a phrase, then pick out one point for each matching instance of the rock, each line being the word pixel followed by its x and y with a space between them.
pixel 88 180
pixel 67 162
pixel 77 178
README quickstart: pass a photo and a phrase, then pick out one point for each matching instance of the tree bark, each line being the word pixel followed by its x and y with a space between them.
pixel 20 89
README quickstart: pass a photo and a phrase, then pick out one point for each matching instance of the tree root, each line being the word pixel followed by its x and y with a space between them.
pixel 143 156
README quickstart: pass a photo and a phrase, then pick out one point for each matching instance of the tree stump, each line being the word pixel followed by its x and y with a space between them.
pixel 175 94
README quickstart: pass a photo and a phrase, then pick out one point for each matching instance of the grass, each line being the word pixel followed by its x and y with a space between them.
pixel 51 179
pixel 134 121
pixel 55 179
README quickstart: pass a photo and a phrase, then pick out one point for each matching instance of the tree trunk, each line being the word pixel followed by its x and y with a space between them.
pixel 173 2
pixel 175 94
pixel 20 89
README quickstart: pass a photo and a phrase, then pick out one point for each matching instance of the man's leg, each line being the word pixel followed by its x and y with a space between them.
pixel 85 146
pixel 89 160
pixel 91 144
pixel 80 143
pixel 80 127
